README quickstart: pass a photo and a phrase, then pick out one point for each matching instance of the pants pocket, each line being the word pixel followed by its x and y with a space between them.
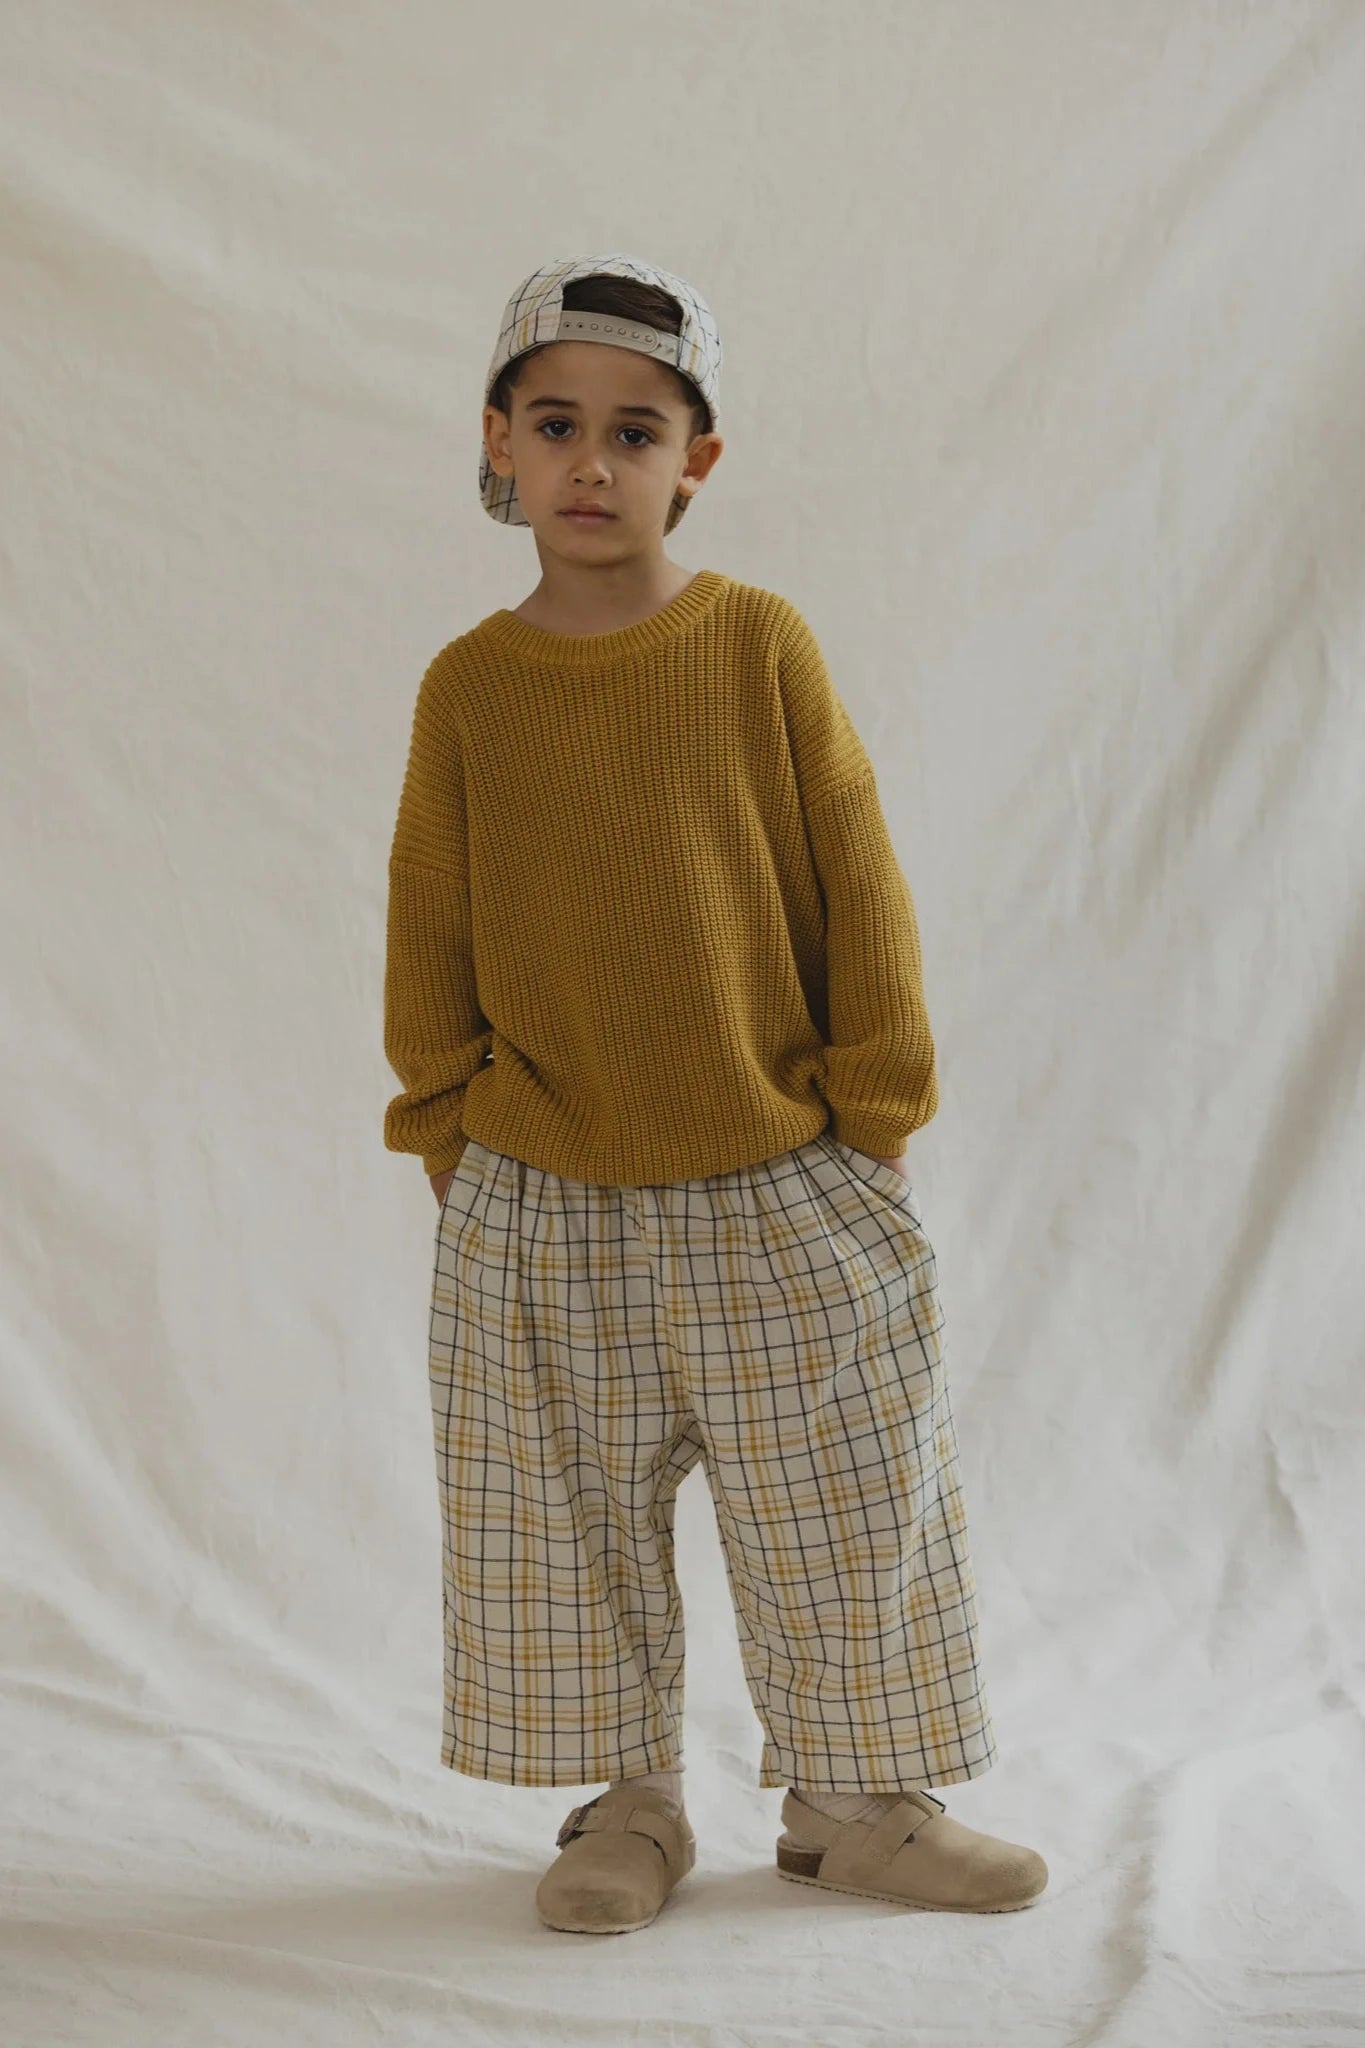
pixel 885 1180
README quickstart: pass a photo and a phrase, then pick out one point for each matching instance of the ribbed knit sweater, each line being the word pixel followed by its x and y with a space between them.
pixel 645 920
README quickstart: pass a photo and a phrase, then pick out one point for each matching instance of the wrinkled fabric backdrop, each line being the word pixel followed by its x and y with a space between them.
pixel 1044 334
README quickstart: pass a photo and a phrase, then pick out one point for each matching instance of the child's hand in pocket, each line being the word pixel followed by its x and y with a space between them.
pixel 440 1182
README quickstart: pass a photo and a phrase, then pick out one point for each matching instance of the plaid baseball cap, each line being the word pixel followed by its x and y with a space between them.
pixel 536 314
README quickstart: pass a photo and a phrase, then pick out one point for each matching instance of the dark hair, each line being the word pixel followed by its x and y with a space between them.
pixel 624 299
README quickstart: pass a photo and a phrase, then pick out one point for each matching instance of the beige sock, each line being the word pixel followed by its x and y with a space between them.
pixel 867 1806
pixel 663 1781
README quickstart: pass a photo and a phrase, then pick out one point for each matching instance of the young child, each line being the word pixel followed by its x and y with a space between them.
pixel 653 991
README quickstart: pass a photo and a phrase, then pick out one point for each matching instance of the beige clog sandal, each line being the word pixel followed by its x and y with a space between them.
pixel 915 1855
pixel 621 1854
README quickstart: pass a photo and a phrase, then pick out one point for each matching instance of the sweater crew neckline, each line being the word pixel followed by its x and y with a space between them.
pixel 625 643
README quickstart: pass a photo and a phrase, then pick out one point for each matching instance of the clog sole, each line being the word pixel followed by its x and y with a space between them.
pixel 801 1866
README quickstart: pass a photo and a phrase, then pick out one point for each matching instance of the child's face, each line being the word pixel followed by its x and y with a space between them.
pixel 600 425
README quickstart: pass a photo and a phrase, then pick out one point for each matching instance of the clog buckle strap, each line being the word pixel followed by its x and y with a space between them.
pixel 571 1827
pixel 901 1823
pixel 633 1820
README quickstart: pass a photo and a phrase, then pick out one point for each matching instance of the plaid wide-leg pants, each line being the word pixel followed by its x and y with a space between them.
pixel 589 1344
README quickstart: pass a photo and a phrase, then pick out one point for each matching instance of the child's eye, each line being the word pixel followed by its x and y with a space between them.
pixel 568 423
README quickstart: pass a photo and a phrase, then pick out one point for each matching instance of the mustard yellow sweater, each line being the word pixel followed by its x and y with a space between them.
pixel 645 921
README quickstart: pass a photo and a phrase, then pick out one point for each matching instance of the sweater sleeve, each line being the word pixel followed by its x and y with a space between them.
pixel 881 1078
pixel 435 1035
